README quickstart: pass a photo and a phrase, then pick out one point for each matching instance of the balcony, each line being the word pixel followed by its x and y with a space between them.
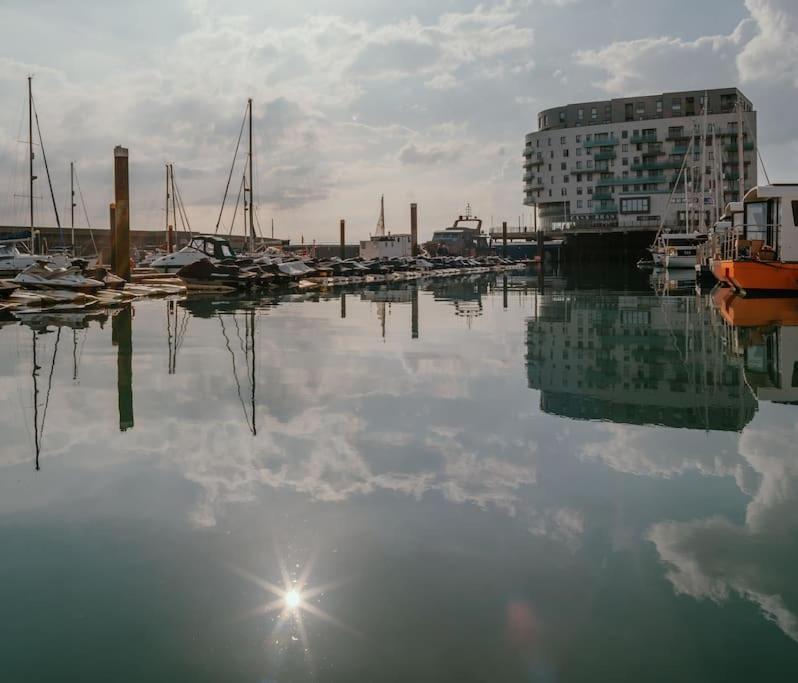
pixel 679 149
pixel 604 156
pixel 747 146
pixel 602 196
pixel 656 166
pixel 533 187
pixel 640 139
pixel 532 162
pixel 678 137
pixel 529 151
pixel 648 180
pixel 607 142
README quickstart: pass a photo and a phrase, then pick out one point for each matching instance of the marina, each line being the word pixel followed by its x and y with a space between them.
pixel 447 342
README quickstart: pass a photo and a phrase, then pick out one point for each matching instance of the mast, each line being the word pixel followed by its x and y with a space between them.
pixel 174 205
pixel 704 137
pixel 72 203
pixel 740 164
pixel 166 224
pixel 31 177
pixel 251 196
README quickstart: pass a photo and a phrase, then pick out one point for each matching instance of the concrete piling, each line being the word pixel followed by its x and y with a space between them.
pixel 414 229
pixel 504 239
pixel 122 214
pixel 112 226
pixel 343 239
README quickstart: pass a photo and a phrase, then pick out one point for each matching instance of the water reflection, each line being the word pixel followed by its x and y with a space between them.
pixel 510 487
pixel 636 360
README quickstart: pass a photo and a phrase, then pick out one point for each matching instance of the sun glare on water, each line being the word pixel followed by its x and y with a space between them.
pixel 292 599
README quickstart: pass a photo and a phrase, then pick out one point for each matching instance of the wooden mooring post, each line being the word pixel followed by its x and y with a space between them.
pixel 121 235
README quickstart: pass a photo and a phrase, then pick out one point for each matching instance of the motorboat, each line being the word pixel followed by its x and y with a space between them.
pixel 46 276
pixel 14 260
pixel 200 247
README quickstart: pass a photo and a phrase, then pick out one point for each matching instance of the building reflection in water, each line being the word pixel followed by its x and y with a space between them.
pixel 635 360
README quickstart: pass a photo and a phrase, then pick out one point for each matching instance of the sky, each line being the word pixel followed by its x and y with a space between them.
pixel 422 101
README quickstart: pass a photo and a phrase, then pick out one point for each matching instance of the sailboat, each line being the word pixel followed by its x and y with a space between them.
pixel 19 252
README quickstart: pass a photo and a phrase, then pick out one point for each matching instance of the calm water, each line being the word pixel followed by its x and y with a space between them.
pixel 465 482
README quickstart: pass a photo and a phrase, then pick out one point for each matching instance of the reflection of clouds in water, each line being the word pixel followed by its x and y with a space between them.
pixel 712 558
pixel 664 452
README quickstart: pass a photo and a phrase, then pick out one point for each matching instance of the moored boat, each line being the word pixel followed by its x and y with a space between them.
pixel 762 254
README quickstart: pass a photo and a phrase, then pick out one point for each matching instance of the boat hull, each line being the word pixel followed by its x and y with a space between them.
pixel 757 276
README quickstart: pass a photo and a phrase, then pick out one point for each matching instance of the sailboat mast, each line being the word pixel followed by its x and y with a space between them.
pixel 166 222
pixel 172 190
pixel 31 177
pixel 72 203
pixel 251 194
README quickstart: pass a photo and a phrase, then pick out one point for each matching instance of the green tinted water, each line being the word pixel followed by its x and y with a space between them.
pixel 463 482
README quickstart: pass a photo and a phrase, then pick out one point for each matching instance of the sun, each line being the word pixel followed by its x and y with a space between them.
pixel 292 599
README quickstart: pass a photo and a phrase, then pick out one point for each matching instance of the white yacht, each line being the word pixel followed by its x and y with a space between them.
pixel 14 260
pixel 209 247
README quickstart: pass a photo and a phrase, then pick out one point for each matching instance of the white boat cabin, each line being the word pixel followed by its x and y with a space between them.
pixel 386 246
pixel 770 222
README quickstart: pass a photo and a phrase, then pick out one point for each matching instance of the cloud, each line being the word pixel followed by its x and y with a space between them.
pixel 714 558
pixel 772 54
pixel 413 154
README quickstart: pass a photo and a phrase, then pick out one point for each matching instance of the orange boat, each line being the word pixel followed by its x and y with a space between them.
pixel 762 254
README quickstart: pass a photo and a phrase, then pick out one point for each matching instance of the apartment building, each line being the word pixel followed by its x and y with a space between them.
pixel 623 162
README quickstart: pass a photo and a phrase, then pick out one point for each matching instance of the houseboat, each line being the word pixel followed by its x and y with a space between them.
pixel 762 254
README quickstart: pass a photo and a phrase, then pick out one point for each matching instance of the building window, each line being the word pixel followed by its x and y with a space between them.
pixel 676 105
pixel 593 113
pixel 625 161
pixel 640 108
pixel 562 117
pixel 564 191
pixel 659 106
pixel 563 166
pixel 624 134
pixel 579 164
pixel 578 203
pixel 589 177
pixel 635 205
pixel 590 189
pixel 589 203
pixel 565 152
pixel 588 137
pixel 579 189
pixel 551 154
pixel 579 151
pixel 579 138
pixel 628 111
pixel 565 178
pixel 625 146
pixel 562 140
pixel 549 142
pixel 580 114
pixel 589 163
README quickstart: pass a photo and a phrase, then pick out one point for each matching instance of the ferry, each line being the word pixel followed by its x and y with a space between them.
pixel 762 254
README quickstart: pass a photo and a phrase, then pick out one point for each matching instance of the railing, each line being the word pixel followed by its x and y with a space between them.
pixel 648 180
pixel 532 162
pixel 747 147
pixel 606 142
pixel 604 156
pixel 640 139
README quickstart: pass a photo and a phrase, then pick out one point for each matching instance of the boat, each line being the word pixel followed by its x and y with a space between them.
pixel 762 254
pixel 381 245
pixel 210 247
pixel 45 276
pixel 463 238
pixel 16 257
pixel 680 249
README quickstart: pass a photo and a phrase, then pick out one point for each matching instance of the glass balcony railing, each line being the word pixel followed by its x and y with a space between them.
pixel 605 142
pixel 604 207
pixel 602 196
pixel 529 163
pixel 604 156
pixel 747 146
pixel 656 166
pixel 640 139
pixel 647 180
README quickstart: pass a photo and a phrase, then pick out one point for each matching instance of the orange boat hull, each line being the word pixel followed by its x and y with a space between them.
pixel 757 312
pixel 753 276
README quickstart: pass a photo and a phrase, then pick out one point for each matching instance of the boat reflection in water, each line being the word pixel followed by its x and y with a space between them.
pixel 635 360
pixel 764 336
